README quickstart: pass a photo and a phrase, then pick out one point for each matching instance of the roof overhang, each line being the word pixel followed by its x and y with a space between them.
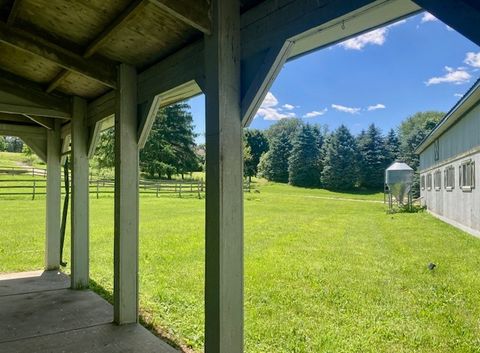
pixel 463 106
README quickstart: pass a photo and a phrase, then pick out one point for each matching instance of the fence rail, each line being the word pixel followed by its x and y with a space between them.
pixel 37 186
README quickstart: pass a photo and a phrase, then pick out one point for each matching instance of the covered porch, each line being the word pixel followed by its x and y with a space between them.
pixel 70 69
pixel 40 313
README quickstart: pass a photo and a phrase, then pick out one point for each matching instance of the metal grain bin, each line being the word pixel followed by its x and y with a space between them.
pixel 399 178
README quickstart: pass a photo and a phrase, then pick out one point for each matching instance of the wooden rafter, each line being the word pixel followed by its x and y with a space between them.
pixel 99 70
pixel 47 123
pixel 194 13
pixel 16 130
pixel 112 28
pixel 13 12
pixel 36 101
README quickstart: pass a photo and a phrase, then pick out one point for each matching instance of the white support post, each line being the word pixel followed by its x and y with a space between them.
pixel 125 287
pixel 80 197
pixel 53 199
pixel 224 196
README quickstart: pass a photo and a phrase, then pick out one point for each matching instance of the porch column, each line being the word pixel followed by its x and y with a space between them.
pixel 80 197
pixel 53 199
pixel 125 287
pixel 224 194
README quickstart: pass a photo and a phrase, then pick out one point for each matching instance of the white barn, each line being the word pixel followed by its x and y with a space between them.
pixel 448 155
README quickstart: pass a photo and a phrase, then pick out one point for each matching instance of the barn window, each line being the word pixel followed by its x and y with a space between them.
pixel 422 182
pixel 437 180
pixel 449 181
pixel 467 175
pixel 436 149
pixel 429 181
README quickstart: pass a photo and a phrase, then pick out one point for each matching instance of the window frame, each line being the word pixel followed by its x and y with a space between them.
pixel 429 181
pixel 437 180
pixel 449 183
pixel 464 186
pixel 422 182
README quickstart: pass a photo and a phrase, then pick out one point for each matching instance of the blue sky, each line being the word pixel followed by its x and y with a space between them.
pixel 382 77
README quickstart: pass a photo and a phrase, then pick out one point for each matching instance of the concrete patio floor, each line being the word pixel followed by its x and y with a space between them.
pixel 39 313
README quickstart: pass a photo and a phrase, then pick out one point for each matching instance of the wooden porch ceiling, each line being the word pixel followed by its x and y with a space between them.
pixel 73 46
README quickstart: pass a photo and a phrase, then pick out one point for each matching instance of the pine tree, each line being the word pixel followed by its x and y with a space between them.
pixel 339 156
pixel 392 147
pixel 412 131
pixel 372 157
pixel 258 144
pixel 303 164
pixel 3 144
pixel 170 147
pixel 274 163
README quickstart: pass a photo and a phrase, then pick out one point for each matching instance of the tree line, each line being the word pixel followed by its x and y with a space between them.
pixel 311 156
pixel 290 151
pixel 10 144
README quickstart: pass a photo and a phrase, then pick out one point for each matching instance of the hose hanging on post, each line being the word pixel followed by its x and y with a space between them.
pixel 65 211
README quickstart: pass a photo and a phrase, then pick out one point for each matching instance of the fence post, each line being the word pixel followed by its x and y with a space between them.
pixel 33 172
pixel 33 192
pixel 98 182
pixel 158 187
pixel 180 190
pixel 198 190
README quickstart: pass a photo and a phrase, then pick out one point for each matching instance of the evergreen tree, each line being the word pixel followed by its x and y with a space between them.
pixel 14 144
pixel 170 147
pixel 3 144
pixel 339 156
pixel 372 158
pixel 412 131
pixel 258 144
pixel 247 159
pixel 104 153
pixel 303 164
pixel 274 163
pixel 289 126
pixel 392 147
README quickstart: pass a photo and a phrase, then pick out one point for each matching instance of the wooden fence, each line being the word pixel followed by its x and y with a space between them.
pixel 35 186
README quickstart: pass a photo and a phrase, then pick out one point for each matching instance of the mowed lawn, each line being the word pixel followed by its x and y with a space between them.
pixel 321 274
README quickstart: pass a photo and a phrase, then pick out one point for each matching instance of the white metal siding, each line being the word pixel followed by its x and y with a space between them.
pixel 460 138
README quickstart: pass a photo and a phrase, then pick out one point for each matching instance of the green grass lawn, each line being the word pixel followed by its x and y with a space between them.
pixel 324 272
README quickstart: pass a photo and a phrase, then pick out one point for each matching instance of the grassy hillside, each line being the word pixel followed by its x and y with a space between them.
pixel 9 159
pixel 324 272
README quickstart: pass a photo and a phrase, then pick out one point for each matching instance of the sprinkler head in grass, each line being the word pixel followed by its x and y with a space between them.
pixel 431 266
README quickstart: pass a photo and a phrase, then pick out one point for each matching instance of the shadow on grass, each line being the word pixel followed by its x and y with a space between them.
pixel 145 319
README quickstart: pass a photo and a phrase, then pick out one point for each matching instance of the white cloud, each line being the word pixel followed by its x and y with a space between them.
pixel 315 113
pixel 342 108
pixel 455 76
pixel 376 107
pixel 288 106
pixel 459 95
pixel 269 109
pixel 428 17
pixel 472 59
pixel 375 37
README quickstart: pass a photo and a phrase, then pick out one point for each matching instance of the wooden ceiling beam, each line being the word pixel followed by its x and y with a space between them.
pixel 101 71
pixel 112 28
pixel 34 100
pixel 195 13
pixel 17 130
pixel 47 123
pixel 13 12
pixel 14 118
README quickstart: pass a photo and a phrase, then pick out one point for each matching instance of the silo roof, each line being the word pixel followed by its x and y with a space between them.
pixel 399 166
